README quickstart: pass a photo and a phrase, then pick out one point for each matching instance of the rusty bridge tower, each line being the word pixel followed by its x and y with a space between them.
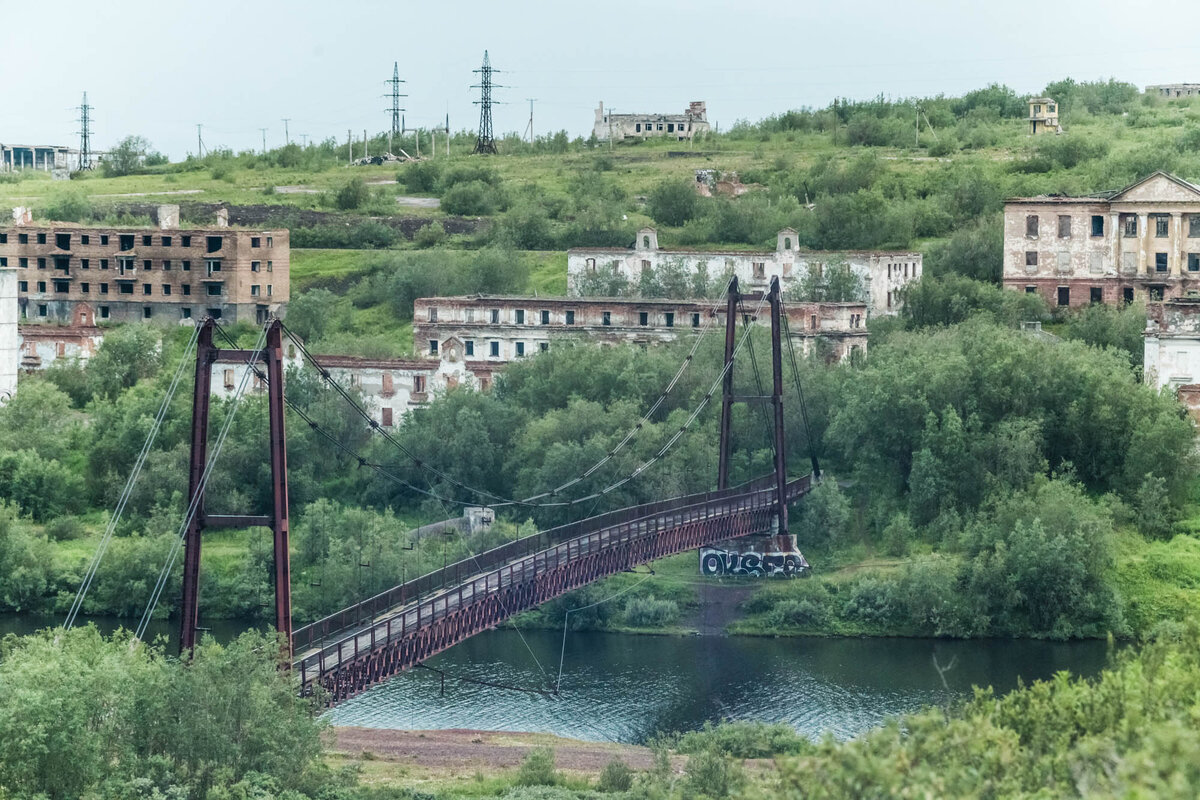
pixel 206 356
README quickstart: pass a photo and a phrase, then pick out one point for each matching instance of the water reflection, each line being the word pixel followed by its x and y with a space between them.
pixel 628 688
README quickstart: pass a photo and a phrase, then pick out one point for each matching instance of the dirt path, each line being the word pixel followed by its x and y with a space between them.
pixel 461 750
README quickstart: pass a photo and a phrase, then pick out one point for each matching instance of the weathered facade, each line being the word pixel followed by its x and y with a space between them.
pixel 9 357
pixel 45 157
pixel 1043 116
pixel 1173 90
pixel 883 273
pixel 42 345
pixel 160 274
pixel 1140 242
pixel 619 127
pixel 1172 350
pixel 491 331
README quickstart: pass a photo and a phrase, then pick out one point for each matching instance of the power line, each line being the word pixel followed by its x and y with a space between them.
pixel 85 134
pixel 485 142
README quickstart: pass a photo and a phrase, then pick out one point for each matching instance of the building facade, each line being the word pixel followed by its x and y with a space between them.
pixel 491 331
pixel 39 346
pixel 619 127
pixel 1043 116
pixel 45 157
pixel 163 274
pixel 1140 242
pixel 1173 90
pixel 9 356
pixel 883 274
pixel 1172 350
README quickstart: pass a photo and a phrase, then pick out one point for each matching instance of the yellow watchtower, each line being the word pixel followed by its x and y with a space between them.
pixel 1043 116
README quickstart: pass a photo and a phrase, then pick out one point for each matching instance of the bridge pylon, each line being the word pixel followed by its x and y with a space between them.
pixel 208 355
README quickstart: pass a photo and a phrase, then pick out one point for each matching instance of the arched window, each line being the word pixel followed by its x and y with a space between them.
pixel 645 241
pixel 787 243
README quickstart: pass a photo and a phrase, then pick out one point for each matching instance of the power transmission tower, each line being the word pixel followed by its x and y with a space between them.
pixel 529 128
pixel 397 125
pixel 485 142
pixel 85 134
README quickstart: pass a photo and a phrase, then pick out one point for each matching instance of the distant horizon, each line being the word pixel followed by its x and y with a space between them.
pixel 157 71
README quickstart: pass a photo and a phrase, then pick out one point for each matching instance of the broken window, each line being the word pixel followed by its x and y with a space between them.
pixel 103 312
pixel 41 309
pixel 433 347
pixel 418 384
pixel 166 241
pixel 1097 225
pixel 812 319
pixel 591 265
pixel 494 349
pixel 83 239
pixel 147 264
pixel 1162 226
pixel 1064 295
pixel 787 243
pixel 254 266
pixel 187 266
pixel 1193 226
pixel 23 263
pixel 185 241
pixel 433 314
pixel 669 319
pixel 495 315
pixel 645 264
pixel 166 265
pixel 1193 262
pixel 254 290
pixel 41 286
pixel 695 320
pixel 1096 295
pixel 469 347
pixel 543 346
pixel 1064 227
pixel 255 241
pixel 1155 294
pixel 146 241
pixel 270 266
pixel 214 289
pixel 1160 262
pixel 385 417
pixel 62 286
pixel 1031 258
pixel 606 318
pixel 270 241
pixel 85 288
pixel 1031 225
pixel 104 288
pixel 215 313
pixel 228 379
pixel 145 288
pixel 212 265
pixel 213 243
pixel 1030 290
pixel 41 238
pixel 62 263
pixel 187 289
pixel 545 317
pixel 520 316
pixel 760 270
pixel 166 288
pixel 103 238
pixel 84 263
pixel 570 317
pixel 62 241
pixel 147 312
pixel 41 263
pixel 1127 294
pixel 643 318
pixel 520 349
pixel 23 286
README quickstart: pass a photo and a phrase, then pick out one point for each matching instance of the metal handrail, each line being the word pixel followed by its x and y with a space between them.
pixel 743 500
pixel 452 574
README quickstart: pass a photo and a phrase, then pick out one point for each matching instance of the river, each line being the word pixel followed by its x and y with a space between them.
pixel 622 687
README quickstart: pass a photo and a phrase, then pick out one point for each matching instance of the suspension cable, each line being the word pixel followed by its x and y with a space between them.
pixel 758 384
pixel 194 505
pixel 812 448
pixel 134 473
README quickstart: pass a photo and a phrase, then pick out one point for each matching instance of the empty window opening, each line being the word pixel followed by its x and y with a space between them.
pixel 1096 295
pixel 520 316
pixel 1031 258
pixel 433 314
pixel 1127 294
pixel 1064 227
pixel 520 349
pixel 1031 225
pixel 570 317
pixel 495 316
pixel 433 347
pixel 1131 225
pixel 643 318
pixel 1064 295
pixel 103 312
pixel 494 349
pixel 147 312
pixel 545 317
pixel 469 347
pixel 62 241
pixel 669 319
pixel 606 318
pixel 695 320
pixel 1162 226
pixel 1160 262
pixel 1097 225
pixel 213 243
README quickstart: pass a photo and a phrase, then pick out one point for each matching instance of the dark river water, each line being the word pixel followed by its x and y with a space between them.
pixel 628 688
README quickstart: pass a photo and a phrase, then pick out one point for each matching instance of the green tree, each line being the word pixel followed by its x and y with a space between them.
pixel 125 157
pixel 673 202
pixel 127 355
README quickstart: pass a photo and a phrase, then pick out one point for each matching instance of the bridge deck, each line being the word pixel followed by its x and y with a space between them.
pixel 482 591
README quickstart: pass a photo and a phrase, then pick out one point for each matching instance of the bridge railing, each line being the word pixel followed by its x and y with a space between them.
pixel 363 641
pixel 309 635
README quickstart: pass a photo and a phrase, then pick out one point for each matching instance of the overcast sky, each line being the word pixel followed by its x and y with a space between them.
pixel 157 68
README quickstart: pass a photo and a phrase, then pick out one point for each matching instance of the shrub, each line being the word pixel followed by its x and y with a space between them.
pixel 673 202
pixel 62 529
pixel 473 198
pixel 648 612
pixel 615 777
pixel 711 774
pixel 537 768
pixel 351 195
pixel 744 739
pixel 430 235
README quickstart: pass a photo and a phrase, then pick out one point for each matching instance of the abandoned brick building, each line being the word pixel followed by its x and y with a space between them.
pixel 162 274
pixel 883 273
pixel 491 331
pixel 1172 350
pixel 1140 242
pixel 619 127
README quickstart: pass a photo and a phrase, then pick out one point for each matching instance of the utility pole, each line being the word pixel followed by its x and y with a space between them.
pixel 264 135
pixel 485 142
pixel 529 128
pixel 397 126
pixel 286 137
pixel 366 147
pixel 85 134
pixel 610 116
pixel 349 149
pixel 304 140
pixel 199 141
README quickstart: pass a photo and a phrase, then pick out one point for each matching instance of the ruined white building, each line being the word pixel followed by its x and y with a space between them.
pixel 8 333
pixel 619 127
pixel 1172 350
pixel 491 331
pixel 883 273
pixel 1173 90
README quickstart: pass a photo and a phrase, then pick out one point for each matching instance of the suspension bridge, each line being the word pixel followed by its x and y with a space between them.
pixel 365 644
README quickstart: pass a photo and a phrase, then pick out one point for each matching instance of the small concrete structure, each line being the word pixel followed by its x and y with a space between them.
pixel 883 273
pixel 681 127
pixel 1172 350
pixel 8 333
pixel 44 157
pixel 1043 116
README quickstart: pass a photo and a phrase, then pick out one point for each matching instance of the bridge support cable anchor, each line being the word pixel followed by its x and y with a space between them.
pixel 206 356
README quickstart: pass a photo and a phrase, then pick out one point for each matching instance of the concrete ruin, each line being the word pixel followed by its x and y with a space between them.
pixel 883 273
pixel 1043 116
pixel 1173 90
pixel 8 333
pixel 1172 350
pixel 1140 242
pixel 43 157
pixel 162 274
pixel 490 331
pixel 681 127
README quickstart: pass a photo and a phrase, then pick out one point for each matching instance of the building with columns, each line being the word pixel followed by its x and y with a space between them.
pixel 1140 242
